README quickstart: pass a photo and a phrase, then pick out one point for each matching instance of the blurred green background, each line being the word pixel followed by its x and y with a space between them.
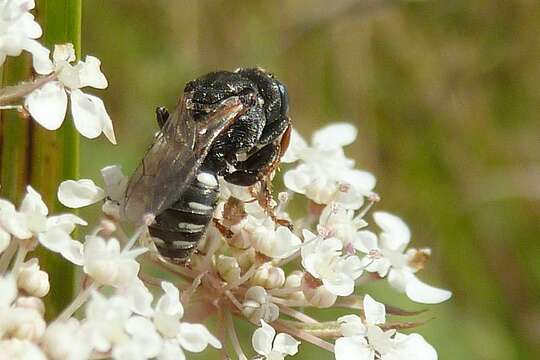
pixel 446 96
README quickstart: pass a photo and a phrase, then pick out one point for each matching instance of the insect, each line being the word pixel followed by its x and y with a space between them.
pixel 233 125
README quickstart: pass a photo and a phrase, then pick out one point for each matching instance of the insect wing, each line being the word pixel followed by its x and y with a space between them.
pixel 174 157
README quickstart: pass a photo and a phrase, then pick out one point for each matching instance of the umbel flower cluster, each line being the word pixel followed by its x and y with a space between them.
pixel 257 264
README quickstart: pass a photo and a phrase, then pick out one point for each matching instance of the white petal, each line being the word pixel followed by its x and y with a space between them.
pixel 353 348
pixel 57 240
pixel 397 278
pixel 28 26
pixel 12 221
pixel 90 116
pixel 411 347
pixel 286 344
pixel 396 234
pixel 365 241
pixel 66 222
pixel 115 181
pixel 374 311
pixel 285 244
pixel 64 52
pixel 76 194
pixel 195 337
pixel 423 293
pixel 90 73
pixel 144 335
pixel 351 325
pixel 171 351
pixel 169 303
pixel 138 296
pixel 33 203
pixel 48 105
pixel 40 57
pixel 339 285
pixel 296 147
pixel 262 338
pixel 297 180
pixel 334 135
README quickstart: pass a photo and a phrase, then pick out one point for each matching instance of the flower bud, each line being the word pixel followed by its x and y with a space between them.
pixel 316 294
pixel 258 305
pixel 31 302
pixel 294 280
pixel 268 276
pixel 228 268
pixel 23 323
pixel 33 280
pixel 245 258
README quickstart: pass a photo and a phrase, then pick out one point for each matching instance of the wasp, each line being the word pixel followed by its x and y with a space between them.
pixel 233 125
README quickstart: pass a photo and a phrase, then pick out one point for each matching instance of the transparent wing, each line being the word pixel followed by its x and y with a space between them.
pixel 174 157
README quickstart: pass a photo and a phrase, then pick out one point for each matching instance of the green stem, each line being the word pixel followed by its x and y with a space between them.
pixel 55 154
pixel 14 135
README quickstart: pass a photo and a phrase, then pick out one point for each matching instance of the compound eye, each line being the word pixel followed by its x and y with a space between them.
pixel 284 99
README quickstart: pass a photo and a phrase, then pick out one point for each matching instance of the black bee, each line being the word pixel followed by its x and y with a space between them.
pixel 229 124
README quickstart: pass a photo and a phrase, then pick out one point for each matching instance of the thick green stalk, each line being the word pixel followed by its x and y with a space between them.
pixel 14 136
pixel 55 154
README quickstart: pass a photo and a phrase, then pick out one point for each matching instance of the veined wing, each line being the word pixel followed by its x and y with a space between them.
pixel 174 157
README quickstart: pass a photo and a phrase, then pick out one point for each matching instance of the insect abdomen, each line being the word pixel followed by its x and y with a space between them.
pixel 178 230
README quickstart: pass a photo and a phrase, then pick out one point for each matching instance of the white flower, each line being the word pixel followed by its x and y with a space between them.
pixel 48 104
pixel 56 238
pixel 272 346
pixel 138 297
pixel 178 336
pixel 196 337
pixel 76 194
pixel 168 311
pixel 144 342
pixel 276 242
pixel 323 259
pixel 325 174
pixel 341 223
pixel 18 32
pixel 22 323
pixel 363 339
pixel 391 260
pixel 258 305
pixel 106 264
pixel 106 320
pixel 31 218
pixel 67 341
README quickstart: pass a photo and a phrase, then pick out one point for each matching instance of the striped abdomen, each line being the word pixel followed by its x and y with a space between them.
pixel 177 230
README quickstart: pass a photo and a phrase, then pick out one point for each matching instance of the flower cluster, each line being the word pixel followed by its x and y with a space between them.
pixel 124 325
pixel 46 98
pixel 19 31
pixel 255 263
pixel 238 270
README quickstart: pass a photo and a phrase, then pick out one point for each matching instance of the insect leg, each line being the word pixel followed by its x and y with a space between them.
pixel 162 114
pixel 255 167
